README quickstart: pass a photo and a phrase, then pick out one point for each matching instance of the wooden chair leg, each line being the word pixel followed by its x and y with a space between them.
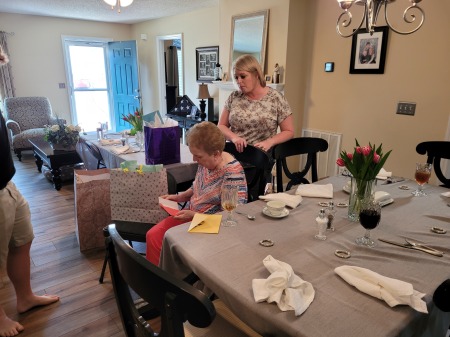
pixel 105 261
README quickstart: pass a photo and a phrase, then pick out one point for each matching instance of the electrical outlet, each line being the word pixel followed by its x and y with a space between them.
pixel 406 108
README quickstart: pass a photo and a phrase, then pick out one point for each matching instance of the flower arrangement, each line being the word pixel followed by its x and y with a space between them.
pixel 136 120
pixel 62 134
pixel 365 162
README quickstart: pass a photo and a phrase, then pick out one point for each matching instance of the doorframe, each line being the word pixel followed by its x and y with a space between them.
pixel 161 67
pixel 67 66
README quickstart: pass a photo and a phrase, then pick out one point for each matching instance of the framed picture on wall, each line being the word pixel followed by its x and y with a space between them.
pixel 368 54
pixel 205 61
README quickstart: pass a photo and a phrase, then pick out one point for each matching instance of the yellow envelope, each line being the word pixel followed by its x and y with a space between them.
pixel 205 223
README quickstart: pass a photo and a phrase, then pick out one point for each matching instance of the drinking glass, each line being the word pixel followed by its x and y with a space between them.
pixel 229 200
pixel 422 175
pixel 369 218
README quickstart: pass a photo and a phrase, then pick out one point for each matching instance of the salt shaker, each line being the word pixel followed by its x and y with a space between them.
pixel 322 222
pixel 330 213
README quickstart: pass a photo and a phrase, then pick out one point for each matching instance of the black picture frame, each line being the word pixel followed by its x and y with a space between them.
pixel 205 61
pixel 368 55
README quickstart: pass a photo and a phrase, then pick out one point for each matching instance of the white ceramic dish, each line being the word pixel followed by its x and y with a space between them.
pixel 284 213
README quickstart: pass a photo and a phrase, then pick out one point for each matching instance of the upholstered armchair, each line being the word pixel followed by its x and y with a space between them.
pixel 26 118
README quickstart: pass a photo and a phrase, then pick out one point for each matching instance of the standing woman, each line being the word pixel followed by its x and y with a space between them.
pixel 253 113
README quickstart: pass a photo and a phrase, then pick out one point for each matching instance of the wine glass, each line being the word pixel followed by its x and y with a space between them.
pixel 422 175
pixel 369 218
pixel 229 200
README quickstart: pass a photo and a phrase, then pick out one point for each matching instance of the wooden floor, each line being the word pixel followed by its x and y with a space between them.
pixel 87 308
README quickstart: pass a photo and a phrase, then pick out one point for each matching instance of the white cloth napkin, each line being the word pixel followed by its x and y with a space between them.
pixel 110 141
pixel 120 149
pixel 285 288
pixel 383 174
pixel 315 190
pixel 446 194
pixel 392 291
pixel 290 200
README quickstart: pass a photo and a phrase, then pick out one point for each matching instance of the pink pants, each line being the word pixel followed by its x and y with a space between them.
pixel 155 236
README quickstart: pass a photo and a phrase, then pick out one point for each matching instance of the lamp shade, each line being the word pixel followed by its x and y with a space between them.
pixel 203 92
pixel 121 3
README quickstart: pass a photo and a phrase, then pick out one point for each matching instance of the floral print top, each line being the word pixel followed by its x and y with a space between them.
pixel 256 120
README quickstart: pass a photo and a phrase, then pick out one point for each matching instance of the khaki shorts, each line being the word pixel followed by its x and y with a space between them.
pixel 15 221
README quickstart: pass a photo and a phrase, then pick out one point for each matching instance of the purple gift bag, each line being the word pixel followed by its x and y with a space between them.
pixel 162 145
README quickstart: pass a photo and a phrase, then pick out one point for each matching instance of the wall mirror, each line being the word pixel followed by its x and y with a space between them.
pixel 249 36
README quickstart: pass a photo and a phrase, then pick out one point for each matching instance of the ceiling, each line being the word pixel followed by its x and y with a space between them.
pixel 98 10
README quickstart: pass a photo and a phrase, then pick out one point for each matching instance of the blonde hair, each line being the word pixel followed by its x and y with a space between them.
pixel 207 137
pixel 249 63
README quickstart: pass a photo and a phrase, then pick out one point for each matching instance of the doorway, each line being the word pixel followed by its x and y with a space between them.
pixel 87 78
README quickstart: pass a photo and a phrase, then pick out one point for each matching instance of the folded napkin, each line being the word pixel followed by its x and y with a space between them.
pixel 445 194
pixel 383 174
pixel 120 149
pixel 290 200
pixel 315 190
pixel 392 291
pixel 285 288
pixel 110 141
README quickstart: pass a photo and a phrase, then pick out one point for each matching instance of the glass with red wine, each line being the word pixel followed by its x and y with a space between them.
pixel 422 175
pixel 369 218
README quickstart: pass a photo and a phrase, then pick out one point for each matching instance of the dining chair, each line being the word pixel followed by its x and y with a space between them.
pixel 163 295
pixel 90 154
pixel 255 163
pixel 297 146
pixel 435 151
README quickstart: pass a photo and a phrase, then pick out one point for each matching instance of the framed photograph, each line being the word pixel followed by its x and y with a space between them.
pixel 368 54
pixel 206 59
pixel 268 78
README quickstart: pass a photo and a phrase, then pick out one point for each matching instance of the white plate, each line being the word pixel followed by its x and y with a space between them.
pixel 284 213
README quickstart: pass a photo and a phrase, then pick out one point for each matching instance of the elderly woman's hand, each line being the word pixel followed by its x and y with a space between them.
pixel 184 215
pixel 240 143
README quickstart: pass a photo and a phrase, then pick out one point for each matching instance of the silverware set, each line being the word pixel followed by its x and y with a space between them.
pixel 416 246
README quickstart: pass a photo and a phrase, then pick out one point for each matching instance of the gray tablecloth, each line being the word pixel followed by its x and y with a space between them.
pixel 183 171
pixel 228 262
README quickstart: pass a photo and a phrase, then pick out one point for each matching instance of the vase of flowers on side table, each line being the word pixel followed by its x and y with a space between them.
pixel 62 137
pixel 363 164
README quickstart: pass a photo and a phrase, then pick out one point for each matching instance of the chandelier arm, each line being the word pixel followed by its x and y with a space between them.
pixel 406 19
pixel 347 23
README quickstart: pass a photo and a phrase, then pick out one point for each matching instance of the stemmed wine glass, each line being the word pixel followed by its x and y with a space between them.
pixel 422 175
pixel 369 218
pixel 229 200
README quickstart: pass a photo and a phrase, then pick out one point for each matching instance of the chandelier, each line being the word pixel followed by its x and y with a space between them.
pixel 371 10
pixel 119 3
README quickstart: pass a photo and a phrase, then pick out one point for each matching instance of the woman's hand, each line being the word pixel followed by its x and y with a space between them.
pixel 184 215
pixel 264 145
pixel 173 197
pixel 240 143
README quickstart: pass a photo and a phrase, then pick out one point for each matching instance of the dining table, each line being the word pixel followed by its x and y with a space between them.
pixel 227 262
pixel 183 172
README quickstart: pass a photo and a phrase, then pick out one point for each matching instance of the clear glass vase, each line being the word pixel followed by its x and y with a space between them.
pixel 140 140
pixel 360 190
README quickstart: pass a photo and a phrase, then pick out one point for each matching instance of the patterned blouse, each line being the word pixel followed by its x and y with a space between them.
pixel 208 183
pixel 256 120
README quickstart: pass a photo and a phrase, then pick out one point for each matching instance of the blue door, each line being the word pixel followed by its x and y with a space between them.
pixel 124 80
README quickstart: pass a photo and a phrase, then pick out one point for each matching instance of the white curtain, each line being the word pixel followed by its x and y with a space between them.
pixel 6 79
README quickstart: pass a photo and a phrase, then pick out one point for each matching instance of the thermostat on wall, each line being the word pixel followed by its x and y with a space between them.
pixel 329 67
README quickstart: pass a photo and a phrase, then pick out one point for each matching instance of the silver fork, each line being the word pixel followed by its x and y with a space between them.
pixel 415 244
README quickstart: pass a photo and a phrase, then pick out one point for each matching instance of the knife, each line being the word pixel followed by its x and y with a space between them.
pixel 423 249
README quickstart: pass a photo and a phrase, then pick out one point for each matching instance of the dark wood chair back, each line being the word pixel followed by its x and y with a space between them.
pixel 255 163
pixel 90 154
pixel 176 300
pixel 435 151
pixel 298 146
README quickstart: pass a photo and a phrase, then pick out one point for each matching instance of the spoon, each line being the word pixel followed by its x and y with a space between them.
pixel 250 217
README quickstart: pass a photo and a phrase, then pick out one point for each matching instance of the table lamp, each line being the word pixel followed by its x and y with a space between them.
pixel 203 94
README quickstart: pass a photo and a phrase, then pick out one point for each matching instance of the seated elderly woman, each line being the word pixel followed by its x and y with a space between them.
pixel 206 143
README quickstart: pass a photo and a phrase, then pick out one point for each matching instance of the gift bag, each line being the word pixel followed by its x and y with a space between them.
pixel 162 144
pixel 134 195
pixel 92 208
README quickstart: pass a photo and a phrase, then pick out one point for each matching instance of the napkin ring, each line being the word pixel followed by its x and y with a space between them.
pixel 343 254
pixel 266 243
pixel 438 230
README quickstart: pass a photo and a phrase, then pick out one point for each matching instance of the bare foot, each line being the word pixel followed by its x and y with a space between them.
pixel 35 301
pixel 8 327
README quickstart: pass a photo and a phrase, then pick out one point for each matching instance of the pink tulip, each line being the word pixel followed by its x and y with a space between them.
pixel 376 158
pixel 358 149
pixel 366 150
pixel 350 155
pixel 340 162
